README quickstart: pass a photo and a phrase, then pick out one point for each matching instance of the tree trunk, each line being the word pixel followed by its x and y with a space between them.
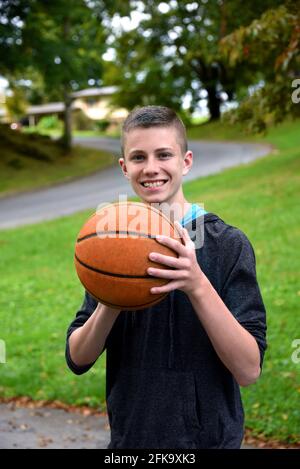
pixel 223 20
pixel 67 135
pixel 214 102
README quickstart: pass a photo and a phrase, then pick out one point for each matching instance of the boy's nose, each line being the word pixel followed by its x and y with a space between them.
pixel 151 167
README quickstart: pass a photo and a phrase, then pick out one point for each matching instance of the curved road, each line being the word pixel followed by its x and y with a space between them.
pixel 105 186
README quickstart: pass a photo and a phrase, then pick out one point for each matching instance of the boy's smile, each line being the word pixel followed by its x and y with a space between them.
pixel 154 164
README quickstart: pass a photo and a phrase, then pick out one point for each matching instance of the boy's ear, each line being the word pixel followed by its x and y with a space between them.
pixel 124 168
pixel 187 162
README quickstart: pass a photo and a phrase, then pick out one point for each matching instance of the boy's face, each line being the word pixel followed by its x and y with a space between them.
pixel 154 164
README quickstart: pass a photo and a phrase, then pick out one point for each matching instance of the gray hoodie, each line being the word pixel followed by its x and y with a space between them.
pixel 165 385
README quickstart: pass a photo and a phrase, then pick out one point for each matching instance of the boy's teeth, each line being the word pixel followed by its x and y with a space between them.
pixel 153 184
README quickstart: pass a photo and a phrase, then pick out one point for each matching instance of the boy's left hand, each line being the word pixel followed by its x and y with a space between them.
pixel 187 275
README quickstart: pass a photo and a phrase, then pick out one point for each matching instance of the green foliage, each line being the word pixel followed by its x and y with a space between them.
pixel 268 106
pixel 49 123
pixel 102 125
pixel 172 53
pixel 271 40
pixel 16 104
pixel 61 41
pixel 270 45
pixel 28 147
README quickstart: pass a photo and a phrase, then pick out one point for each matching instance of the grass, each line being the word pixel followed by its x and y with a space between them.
pixel 35 310
pixel 40 293
pixel 223 131
pixel 216 131
pixel 32 161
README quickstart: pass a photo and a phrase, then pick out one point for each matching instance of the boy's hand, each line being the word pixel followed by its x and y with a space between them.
pixel 187 275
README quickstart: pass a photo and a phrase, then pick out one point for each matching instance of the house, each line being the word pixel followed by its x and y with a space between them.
pixel 95 103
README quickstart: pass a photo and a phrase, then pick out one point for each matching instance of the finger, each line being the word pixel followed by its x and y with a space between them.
pixel 186 234
pixel 187 239
pixel 166 260
pixel 171 243
pixel 165 288
pixel 179 228
pixel 164 273
pixel 183 233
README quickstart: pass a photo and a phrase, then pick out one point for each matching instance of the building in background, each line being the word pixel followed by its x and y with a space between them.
pixel 3 112
pixel 94 103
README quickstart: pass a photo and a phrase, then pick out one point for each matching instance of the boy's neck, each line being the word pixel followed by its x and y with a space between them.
pixel 178 215
pixel 178 212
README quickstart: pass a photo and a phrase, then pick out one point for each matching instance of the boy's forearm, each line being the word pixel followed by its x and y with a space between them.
pixel 235 346
pixel 87 342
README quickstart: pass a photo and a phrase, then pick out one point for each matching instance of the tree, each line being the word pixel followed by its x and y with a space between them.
pixel 12 16
pixel 175 50
pixel 270 44
pixel 63 41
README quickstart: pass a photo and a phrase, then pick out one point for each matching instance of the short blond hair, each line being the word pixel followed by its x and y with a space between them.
pixel 154 116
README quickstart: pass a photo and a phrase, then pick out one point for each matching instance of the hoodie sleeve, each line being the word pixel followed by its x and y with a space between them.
pixel 240 290
pixel 88 307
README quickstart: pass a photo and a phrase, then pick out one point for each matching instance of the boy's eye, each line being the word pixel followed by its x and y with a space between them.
pixel 137 157
pixel 141 157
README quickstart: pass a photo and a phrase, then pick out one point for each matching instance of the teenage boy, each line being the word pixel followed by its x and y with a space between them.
pixel 174 369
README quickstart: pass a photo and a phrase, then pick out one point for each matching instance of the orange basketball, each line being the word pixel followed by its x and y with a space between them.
pixel 112 254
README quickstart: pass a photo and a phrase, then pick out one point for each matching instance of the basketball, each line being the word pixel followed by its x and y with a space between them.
pixel 112 254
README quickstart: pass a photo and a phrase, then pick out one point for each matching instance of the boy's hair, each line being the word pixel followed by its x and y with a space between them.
pixel 154 116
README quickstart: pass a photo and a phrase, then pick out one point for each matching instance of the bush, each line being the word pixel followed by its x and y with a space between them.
pixel 49 123
pixel 265 108
pixel 29 146
pixel 102 125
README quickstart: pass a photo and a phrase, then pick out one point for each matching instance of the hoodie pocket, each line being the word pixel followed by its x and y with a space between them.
pixel 153 409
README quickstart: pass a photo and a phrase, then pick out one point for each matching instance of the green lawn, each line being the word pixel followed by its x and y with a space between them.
pixel 32 161
pixel 279 135
pixel 40 292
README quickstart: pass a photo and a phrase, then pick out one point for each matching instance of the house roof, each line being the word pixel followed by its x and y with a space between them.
pixel 105 90
pixel 59 106
pixel 48 108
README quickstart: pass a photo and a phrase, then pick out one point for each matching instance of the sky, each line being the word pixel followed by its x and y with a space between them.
pixel 3 84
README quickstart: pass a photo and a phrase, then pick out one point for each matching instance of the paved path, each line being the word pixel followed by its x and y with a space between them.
pixel 105 186
pixel 46 428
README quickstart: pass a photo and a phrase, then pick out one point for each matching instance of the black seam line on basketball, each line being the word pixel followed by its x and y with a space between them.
pixel 131 233
pixel 99 271
pixel 122 307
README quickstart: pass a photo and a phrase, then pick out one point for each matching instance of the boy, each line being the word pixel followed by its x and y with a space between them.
pixel 174 369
